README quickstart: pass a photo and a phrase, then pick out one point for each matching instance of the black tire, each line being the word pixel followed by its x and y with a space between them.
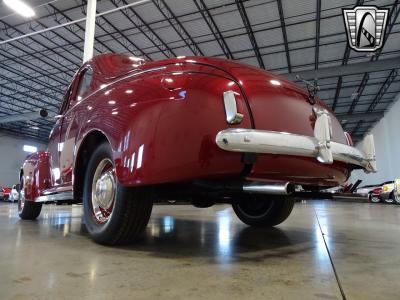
pixel 390 200
pixel 27 210
pixel 263 210
pixel 373 199
pixel 131 207
pixel 395 197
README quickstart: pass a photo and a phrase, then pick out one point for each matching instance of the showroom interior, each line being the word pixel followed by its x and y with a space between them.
pixel 150 204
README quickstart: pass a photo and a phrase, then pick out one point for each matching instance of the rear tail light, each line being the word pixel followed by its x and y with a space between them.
pixel 348 138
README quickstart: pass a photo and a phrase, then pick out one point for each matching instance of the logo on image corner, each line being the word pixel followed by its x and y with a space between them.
pixel 365 27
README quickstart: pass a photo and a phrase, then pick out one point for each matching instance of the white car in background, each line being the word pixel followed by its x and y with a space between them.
pixel 391 192
pixel 14 195
pixel 367 189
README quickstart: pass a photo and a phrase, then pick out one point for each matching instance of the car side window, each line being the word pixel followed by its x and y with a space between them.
pixel 65 101
pixel 84 84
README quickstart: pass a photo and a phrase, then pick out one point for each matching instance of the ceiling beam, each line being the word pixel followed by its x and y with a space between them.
pixel 285 40
pixel 349 69
pixel 250 33
pixel 22 117
pixel 360 116
pixel 317 33
pixel 359 92
pixel 174 22
pixel 385 86
pixel 205 12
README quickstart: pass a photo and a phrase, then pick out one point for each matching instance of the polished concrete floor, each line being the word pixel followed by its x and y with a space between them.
pixel 191 253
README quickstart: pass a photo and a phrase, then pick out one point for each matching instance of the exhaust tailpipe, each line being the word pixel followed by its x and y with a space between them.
pixel 269 188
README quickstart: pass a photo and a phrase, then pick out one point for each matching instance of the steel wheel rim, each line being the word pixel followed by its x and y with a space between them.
pixel 103 191
pixel 375 199
pixel 252 212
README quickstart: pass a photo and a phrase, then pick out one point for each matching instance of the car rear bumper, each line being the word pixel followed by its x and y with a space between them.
pixel 282 143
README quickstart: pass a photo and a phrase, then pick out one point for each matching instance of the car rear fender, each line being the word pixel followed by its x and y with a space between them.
pixel 36 174
pixel 162 125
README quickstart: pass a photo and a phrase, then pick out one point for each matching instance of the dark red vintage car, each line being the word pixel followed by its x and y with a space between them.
pixel 131 132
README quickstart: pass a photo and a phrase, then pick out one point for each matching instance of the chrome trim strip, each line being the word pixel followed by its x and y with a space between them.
pixel 273 142
pixel 55 197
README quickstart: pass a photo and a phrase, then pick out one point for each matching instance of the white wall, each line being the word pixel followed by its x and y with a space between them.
pixel 387 144
pixel 12 157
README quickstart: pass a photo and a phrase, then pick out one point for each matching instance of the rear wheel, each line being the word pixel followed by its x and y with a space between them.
pixel 113 214
pixel 373 199
pixel 263 210
pixel 27 210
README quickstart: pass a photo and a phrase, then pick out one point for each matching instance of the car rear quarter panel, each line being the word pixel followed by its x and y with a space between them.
pixel 162 124
pixel 36 171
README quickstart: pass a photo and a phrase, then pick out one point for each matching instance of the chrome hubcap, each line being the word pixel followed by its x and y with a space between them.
pixel 103 191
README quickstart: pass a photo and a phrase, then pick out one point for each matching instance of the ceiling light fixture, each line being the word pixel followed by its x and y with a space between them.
pixel 20 7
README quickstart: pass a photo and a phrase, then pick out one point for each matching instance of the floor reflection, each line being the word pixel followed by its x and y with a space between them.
pixel 220 237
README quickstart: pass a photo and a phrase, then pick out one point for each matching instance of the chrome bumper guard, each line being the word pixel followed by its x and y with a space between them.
pixel 320 146
pixel 271 142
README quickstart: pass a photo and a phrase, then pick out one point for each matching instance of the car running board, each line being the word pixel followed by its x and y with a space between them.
pixel 55 197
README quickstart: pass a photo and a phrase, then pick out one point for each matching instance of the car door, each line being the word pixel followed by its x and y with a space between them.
pixel 71 123
pixel 54 145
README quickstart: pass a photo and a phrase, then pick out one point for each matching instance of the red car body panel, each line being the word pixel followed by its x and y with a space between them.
pixel 37 174
pixel 161 119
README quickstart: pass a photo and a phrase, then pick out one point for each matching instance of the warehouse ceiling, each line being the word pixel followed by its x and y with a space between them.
pixel 279 35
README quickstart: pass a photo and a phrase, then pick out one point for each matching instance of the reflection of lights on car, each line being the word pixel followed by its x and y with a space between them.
pixel 231 83
pixel 181 56
pixel 56 173
pixel 112 102
pixel 129 91
pixel 169 80
pixel 89 107
pixel 275 82
pixel 134 58
pixel 107 92
pixel 79 98
pixel 133 161
pixel 140 157
pixel 103 86
pixel 182 94
pixel 114 113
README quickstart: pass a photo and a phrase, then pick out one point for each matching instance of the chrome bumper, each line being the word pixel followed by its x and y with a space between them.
pixel 272 142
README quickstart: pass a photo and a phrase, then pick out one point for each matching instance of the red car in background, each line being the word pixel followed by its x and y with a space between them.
pixel 131 132
pixel 4 193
